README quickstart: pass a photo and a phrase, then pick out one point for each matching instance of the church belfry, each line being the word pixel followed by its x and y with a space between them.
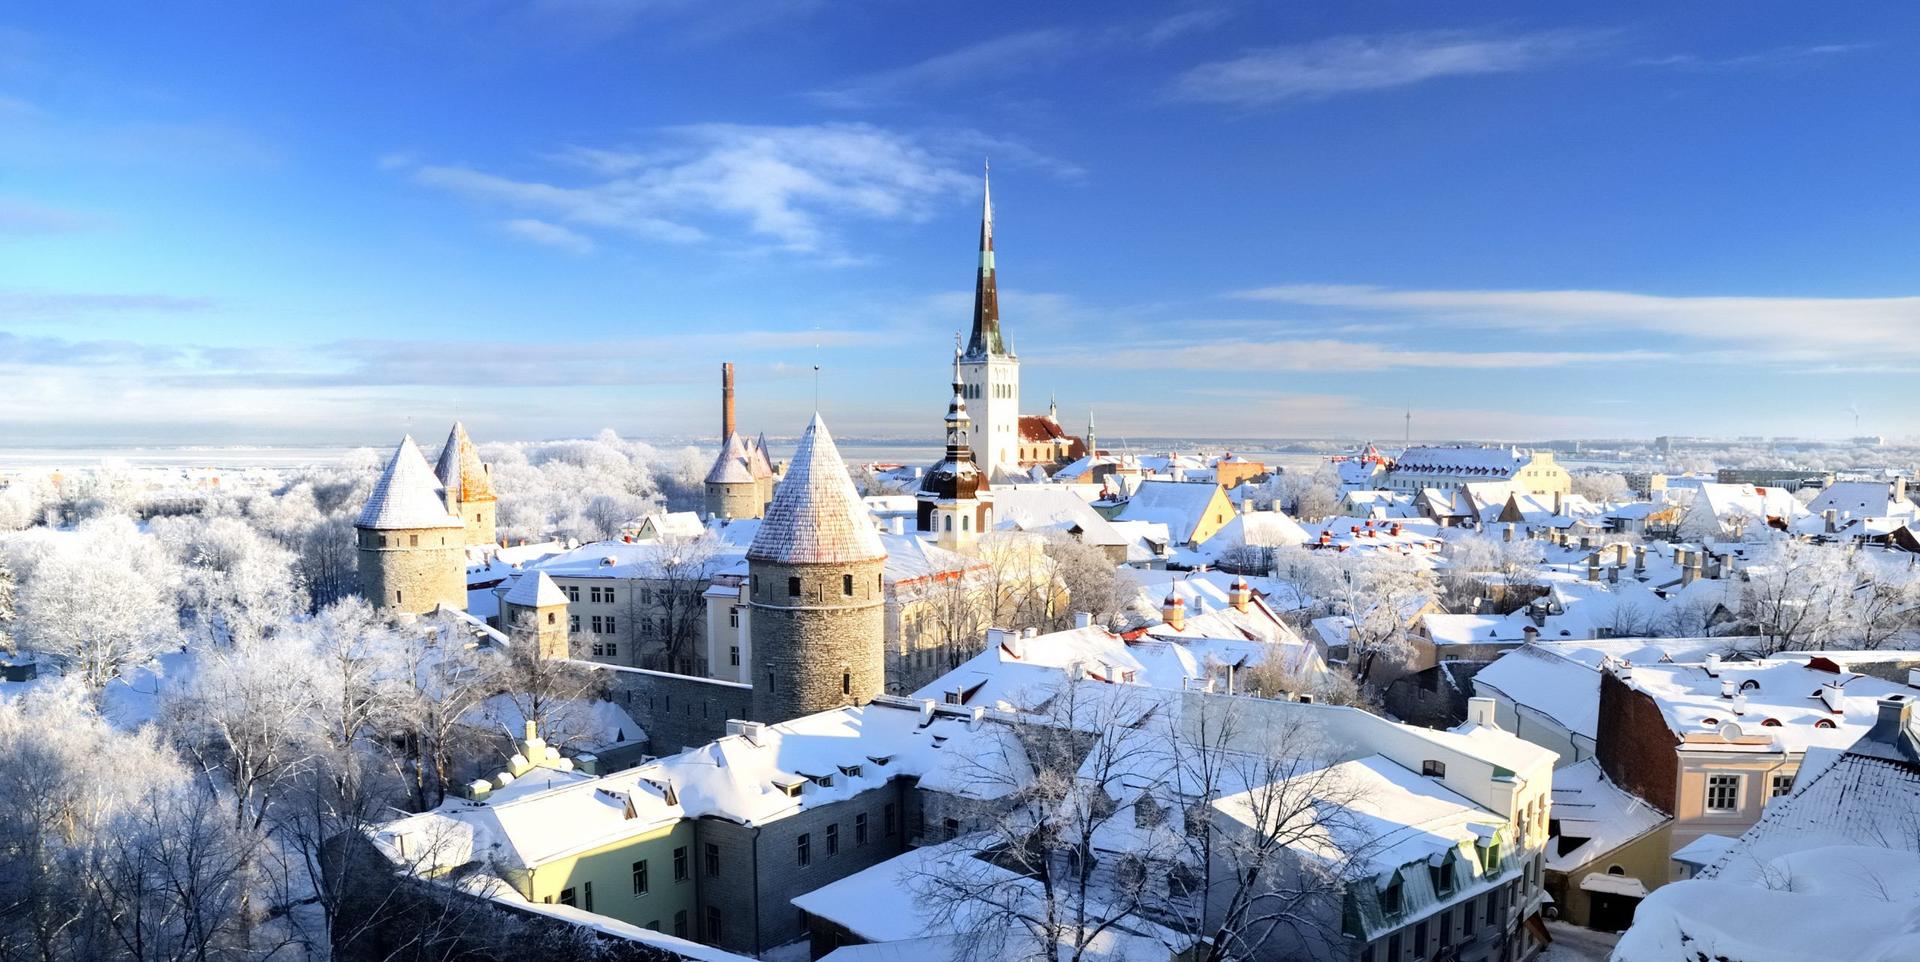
pixel 954 496
pixel 989 370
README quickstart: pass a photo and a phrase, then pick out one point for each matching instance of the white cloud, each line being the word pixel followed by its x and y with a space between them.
pixel 548 235
pixel 1338 65
pixel 783 185
pixel 971 64
pixel 1335 356
pixel 1750 328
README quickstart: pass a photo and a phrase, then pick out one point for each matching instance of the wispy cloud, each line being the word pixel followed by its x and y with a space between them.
pixel 22 306
pixel 1337 356
pixel 1338 65
pixel 548 235
pixel 1754 328
pixel 782 186
pixel 1010 55
pixel 1777 56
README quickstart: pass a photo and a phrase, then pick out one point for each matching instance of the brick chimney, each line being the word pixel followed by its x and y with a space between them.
pixel 726 400
pixel 1240 596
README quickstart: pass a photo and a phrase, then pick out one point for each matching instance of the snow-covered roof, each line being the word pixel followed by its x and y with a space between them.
pixel 1848 902
pixel 1559 687
pixel 1180 505
pixel 1590 807
pixel 407 495
pixel 1862 499
pixel 1031 508
pixel 1779 704
pixel 622 559
pixel 816 516
pixel 734 465
pixel 1492 461
pixel 535 590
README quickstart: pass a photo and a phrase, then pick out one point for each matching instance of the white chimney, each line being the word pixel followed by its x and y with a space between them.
pixel 1713 664
pixel 1480 711
pixel 1083 619
pixel 997 637
pixel 897 524
pixel 1727 688
pixel 1835 697
pixel 926 712
pixel 753 732
pixel 1740 704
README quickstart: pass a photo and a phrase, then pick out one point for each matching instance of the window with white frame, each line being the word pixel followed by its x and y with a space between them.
pixel 1723 793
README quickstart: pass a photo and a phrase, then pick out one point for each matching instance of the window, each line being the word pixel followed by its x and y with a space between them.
pixel 552 618
pixel 596 625
pixel 396 596
pixel 599 649
pixel 860 829
pixel 949 522
pixel 611 627
pixel 640 877
pixel 1723 793
pixel 566 896
pixel 833 839
pixel 1437 769
pixel 413 541
pixel 680 864
pixel 1466 920
pixel 733 619
pixel 383 541
pixel 573 592
pixel 1393 947
pixel 713 860
pixel 715 934
pixel 1420 940
pixel 680 924
pixel 846 683
pixel 892 823
pixel 793 587
pixel 1393 897
pixel 803 849
pixel 573 624
pixel 613 648
pixel 654 925
pixel 734 655
pixel 1780 785
pixel 588 889
pixel 951 826
pixel 1493 908
pixel 846 585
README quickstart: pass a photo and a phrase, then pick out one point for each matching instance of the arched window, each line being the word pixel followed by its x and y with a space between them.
pixel 1825 723
pixel 1769 723
pixel 949 523
pixel 1616 870
pixel 963 522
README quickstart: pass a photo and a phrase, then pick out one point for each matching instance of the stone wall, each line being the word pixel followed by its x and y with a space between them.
pixel 819 648
pixel 678 711
pixel 479 516
pixel 735 500
pixel 413 570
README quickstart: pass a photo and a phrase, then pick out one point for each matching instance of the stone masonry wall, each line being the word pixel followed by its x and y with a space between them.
pixel 740 500
pixel 416 570
pixel 821 649
pixel 678 711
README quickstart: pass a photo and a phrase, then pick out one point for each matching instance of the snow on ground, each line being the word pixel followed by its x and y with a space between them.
pixel 1575 943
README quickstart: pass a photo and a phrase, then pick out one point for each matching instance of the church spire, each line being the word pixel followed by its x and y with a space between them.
pixel 958 447
pixel 986 338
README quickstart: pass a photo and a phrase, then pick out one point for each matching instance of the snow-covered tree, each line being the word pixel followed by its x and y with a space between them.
pixel 248 713
pixel 682 566
pixel 237 583
pixel 1601 486
pixel 100 602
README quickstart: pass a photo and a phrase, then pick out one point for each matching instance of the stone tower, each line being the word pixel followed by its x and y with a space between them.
pixel 413 554
pixel 468 486
pixel 989 369
pixel 534 605
pixel 954 496
pixel 815 590
pixel 741 480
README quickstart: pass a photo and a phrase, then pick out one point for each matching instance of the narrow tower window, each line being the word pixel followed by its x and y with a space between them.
pixel 846 585
pixel 846 683
pixel 793 587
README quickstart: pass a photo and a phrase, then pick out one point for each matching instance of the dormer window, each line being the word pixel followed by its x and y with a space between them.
pixel 851 771
pixel 1393 898
pixel 1433 768
pixel 1825 723
pixel 1443 873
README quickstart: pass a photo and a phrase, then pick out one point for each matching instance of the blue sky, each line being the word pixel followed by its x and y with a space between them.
pixel 335 222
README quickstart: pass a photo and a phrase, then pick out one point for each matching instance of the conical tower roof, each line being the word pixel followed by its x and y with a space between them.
pixel 986 338
pixel 535 590
pixel 734 465
pixel 460 472
pixel 407 495
pixel 816 516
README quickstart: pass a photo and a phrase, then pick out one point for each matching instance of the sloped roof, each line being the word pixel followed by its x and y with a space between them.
pixel 816 516
pixel 734 465
pixel 1180 505
pixel 407 495
pixel 535 590
pixel 460 470
pixel 1039 427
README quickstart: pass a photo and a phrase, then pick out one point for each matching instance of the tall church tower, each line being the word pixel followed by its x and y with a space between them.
pixel 413 554
pixel 989 370
pixel 954 496
pixel 814 586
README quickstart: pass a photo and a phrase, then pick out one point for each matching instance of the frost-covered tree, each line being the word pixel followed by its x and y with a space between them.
pixel 1601 486
pixel 1089 579
pixel 248 713
pixel 1800 597
pixel 1480 565
pixel 681 566
pixel 237 583
pixel 100 602
pixel 445 677
pixel 549 691
pixel 1382 592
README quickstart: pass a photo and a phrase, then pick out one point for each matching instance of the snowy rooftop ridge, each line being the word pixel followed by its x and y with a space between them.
pixel 816 516
pixel 407 495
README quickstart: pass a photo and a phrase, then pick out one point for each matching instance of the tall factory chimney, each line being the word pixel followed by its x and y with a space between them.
pixel 726 401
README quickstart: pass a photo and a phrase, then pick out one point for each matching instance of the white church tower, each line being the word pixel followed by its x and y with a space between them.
pixel 989 370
